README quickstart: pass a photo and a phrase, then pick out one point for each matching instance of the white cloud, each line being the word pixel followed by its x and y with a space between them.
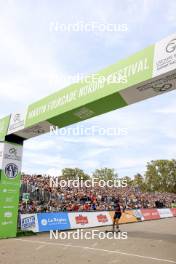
pixel 167 110
pixel 36 145
pixel 35 63
pixel 53 172
pixel 170 12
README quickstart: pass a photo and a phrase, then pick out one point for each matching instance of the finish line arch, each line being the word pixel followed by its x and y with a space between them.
pixel 148 73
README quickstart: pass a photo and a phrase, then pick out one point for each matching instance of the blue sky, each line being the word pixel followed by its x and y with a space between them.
pixel 35 61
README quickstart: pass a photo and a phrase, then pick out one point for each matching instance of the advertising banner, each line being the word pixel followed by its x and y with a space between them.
pixel 89 219
pixel 127 217
pixel 53 221
pixel 11 155
pixel 135 69
pixel 42 222
pixel 165 212
pixel 165 55
pixel 137 213
pixel 16 123
pixel 150 214
pixel 102 218
pixel 29 222
pixel 81 220
pixel 147 73
pixel 173 210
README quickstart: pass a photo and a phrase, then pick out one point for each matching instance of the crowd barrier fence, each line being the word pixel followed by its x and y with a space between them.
pixel 41 222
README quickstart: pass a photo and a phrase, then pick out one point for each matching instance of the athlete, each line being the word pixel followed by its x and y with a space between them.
pixel 117 216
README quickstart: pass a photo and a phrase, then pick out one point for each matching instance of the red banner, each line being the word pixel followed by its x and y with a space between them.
pixel 150 214
pixel 173 210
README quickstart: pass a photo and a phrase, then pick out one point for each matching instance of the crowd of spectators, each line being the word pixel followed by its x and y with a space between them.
pixel 43 198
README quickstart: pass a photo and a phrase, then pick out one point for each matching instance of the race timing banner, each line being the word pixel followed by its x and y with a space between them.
pixel 149 72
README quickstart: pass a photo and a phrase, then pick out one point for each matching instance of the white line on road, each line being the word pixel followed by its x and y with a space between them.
pixel 41 246
pixel 94 249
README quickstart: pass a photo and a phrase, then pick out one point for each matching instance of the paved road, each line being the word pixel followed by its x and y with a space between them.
pixel 148 242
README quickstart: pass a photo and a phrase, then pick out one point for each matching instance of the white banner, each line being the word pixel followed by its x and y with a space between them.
pixel 89 219
pixel 165 55
pixel 102 218
pixel 81 220
pixel 17 121
pixel 165 212
pixel 12 159
pixel 29 222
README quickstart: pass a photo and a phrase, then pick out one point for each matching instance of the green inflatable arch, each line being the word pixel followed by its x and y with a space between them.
pixel 148 73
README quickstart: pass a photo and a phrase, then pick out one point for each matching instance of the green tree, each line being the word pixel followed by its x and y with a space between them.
pixel 161 176
pixel 139 181
pixel 74 173
pixel 128 180
pixel 105 174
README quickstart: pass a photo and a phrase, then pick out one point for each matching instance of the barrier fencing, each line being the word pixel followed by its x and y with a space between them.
pixel 41 222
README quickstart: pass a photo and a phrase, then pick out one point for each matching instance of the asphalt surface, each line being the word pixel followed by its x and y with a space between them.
pixel 147 242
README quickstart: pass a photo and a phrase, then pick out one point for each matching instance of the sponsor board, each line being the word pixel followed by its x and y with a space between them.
pixel 89 219
pixel 165 55
pixel 165 212
pixel 102 218
pixel 173 210
pixel 135 69
pixel 127 217
pixel 17 121
pixel 42 222
pixel 35 130
pixel 150 214
pixel 11 170
pixel 81 220
pixel 9 188
pixel 29 222
pixel 149 89
pixel 12 158
pixel 53 221
pixel 137 213
pixel 145 74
